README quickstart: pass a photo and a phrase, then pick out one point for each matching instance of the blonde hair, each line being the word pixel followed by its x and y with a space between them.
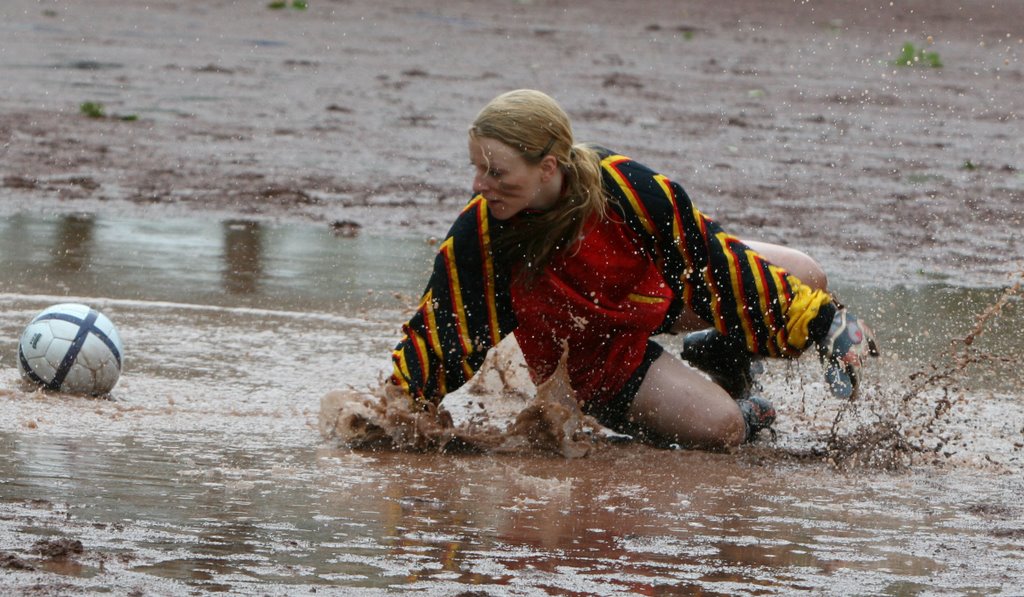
pixel 533 123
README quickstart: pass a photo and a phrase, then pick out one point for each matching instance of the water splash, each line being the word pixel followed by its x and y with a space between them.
pixel 890 431
pixel 384 418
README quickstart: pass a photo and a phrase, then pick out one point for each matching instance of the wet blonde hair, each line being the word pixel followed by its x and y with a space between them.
pixel 532 123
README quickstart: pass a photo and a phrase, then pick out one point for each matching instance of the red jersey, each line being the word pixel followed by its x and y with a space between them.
pixel 604 298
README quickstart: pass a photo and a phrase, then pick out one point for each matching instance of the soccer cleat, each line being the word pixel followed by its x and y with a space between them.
pixel 724 359
pixel 758 414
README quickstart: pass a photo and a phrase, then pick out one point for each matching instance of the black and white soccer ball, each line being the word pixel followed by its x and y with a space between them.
pixel 71 348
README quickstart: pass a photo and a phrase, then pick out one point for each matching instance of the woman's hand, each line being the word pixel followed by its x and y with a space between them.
pixel 395 395
pixel 842 352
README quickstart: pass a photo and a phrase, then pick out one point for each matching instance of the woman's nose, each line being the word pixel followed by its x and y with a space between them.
pixel 479 183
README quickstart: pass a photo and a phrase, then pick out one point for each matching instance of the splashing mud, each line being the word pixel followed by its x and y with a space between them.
pixel 385 419
pixel 890 430
pixel 885 427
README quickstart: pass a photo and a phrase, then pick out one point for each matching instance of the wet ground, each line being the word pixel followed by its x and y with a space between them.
pixel 205 471
pixel 256 210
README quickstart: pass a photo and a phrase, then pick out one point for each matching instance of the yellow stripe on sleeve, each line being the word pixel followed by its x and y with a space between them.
pixel 802 310
pixel 725 240
pixel 609 164
pixel 421 352
pixel 677 232
pixel 489 292
pixel 755 262
pixel 431 320
pixel 403 369
pixel 456 291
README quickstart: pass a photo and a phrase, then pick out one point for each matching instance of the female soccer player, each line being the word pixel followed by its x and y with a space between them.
pixel 577 247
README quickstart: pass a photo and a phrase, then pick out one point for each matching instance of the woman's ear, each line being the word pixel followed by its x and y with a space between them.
pixel 548 166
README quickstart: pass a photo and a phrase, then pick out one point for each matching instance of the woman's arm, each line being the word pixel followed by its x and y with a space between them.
pixel 715 274
pixel 464 311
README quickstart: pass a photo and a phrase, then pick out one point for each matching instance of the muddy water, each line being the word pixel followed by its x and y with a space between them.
pixel 211 262
pixel 205 471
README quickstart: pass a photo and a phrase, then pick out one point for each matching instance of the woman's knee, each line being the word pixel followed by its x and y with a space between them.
pixel 719 431
pixel 677 404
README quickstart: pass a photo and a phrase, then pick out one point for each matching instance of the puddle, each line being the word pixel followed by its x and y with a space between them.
pixel 228 263
pixel 305 268
pixel 206 472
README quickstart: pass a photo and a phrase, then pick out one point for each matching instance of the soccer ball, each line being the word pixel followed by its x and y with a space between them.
pixel 71 348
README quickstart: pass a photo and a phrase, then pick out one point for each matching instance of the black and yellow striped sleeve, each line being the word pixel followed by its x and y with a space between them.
pixel 464 311
pixel 713 273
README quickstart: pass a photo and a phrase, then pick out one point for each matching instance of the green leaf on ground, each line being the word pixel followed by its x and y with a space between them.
pixel 914 56
pixel 92 109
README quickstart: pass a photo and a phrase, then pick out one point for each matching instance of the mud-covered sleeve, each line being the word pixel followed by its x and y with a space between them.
pixel 714 274
pixel 464 311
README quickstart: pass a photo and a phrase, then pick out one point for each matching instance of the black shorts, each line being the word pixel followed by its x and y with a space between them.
pixel 614 413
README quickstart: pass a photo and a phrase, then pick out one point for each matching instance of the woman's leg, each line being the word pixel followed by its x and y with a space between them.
pixel 795 262
pixel 678 404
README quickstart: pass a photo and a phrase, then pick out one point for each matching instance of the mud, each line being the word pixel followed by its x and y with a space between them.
pixel 790 124
pixel 255 197
pixel 550 422
pixel 57 548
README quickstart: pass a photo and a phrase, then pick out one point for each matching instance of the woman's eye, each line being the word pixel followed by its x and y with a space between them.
pixel 489 172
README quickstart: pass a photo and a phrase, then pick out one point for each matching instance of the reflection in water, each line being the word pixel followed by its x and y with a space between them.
pixel 237 262
pixel 73 243
pixel 243 256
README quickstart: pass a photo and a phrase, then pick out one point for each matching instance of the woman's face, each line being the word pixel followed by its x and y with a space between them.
pixel 507 181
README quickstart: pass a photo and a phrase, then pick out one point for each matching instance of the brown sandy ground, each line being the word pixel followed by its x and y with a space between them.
pixel 787 120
